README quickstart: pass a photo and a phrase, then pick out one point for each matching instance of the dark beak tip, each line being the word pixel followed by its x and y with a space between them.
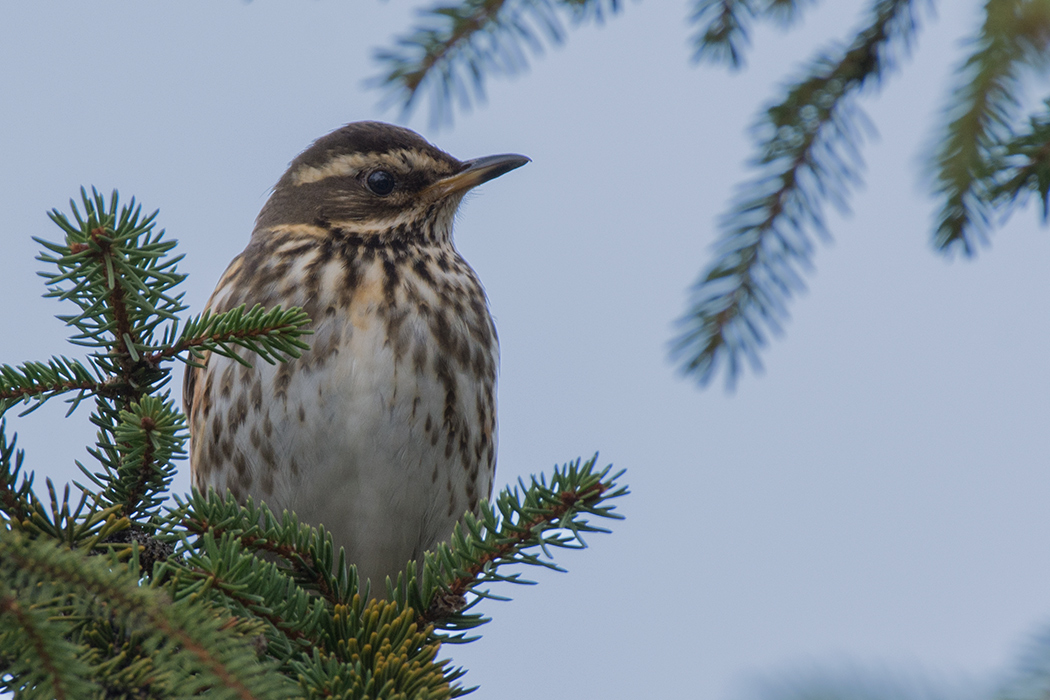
pixel 515 161
pixel 490 167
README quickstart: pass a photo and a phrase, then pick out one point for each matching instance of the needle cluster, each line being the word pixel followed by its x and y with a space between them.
pixel 108 589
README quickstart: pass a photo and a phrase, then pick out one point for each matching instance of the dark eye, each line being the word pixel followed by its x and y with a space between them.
pixel 381 182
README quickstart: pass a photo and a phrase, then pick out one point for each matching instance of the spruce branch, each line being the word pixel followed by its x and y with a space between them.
pixel 1029 676
pixel 17 500
pixel 521 526
pixel 724 26
pixel 205 651
pixel 137 446
pixel 807 156
pixel 108 594
pixel 271 334
pixel 1027 165
pixel 307 552
pixel 222 570
pixel 36 382
pixel 42 660
pixel 83 525
pixel 117 270
pixel 300 584
pixel 322 629
pixel 455 47
pixel 138 460
pixel 403 665
pixel 122 276
pixel 968 161
pixel 809 141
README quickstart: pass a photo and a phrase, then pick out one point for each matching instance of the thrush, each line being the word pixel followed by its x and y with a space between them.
pixel 384 431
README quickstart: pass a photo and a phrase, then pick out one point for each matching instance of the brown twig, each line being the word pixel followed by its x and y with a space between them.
pixel 523 532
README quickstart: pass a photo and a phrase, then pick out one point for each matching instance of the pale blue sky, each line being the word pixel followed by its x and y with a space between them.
pixel 877 498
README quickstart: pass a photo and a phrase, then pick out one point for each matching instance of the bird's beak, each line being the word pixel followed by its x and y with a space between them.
pixel 477 171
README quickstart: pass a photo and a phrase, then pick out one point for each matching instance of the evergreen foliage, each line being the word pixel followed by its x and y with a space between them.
pixel 455 47
pixel 115 593
pixel 987 159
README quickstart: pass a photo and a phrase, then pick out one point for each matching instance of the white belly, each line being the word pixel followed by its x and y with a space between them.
pixel 371 446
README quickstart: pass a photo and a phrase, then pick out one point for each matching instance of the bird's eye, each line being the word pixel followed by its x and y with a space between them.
pixel 380 182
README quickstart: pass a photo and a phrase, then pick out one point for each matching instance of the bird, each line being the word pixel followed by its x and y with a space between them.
pixel 385 430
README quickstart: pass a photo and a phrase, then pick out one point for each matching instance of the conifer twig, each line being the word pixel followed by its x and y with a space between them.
pixel 724 26
pixel 969 159
pixel 808 155
pixel 454 47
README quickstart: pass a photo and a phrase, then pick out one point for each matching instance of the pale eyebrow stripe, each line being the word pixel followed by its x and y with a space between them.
pixel 342 165
pixel 349 164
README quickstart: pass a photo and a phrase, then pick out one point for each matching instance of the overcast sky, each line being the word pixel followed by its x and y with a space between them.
pixel 876 499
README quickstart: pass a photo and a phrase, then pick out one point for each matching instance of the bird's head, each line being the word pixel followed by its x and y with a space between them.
pixel 371 178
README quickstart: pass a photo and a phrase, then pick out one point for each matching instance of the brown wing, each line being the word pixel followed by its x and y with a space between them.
pixel 196 383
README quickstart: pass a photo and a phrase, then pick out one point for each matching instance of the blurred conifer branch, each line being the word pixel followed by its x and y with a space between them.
pixel 1026 165
pixel 453 48
pixel 808 154
pixel 60 610
pixel 981 163
pixel 724 26
pixel 1026 678
pixel 985 163
pixel 111 593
